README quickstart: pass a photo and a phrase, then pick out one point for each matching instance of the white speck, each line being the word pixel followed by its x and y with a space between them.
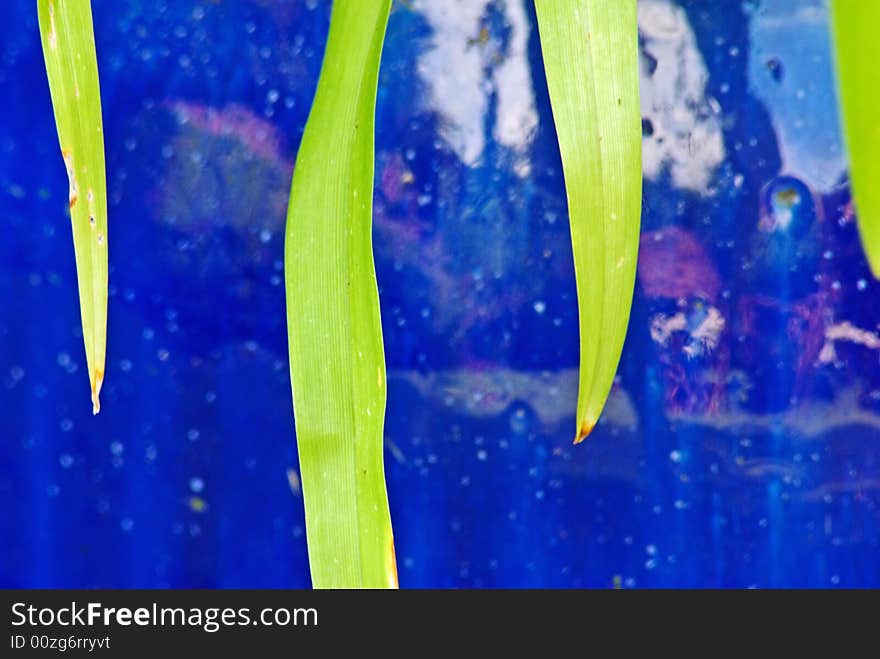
pixel 53 39
pixel 196 484
pixel 539 307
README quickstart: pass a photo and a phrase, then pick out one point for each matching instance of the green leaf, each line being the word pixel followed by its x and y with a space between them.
pixel 590 50
pixel 857 47
pixel 337 364
pixel 72 68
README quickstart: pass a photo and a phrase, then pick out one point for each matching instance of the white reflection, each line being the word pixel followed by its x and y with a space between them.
pixel 486 393
pixel 462 67
pixel 687 136
pixel 792 38
pixel 703 336
pixel 846 332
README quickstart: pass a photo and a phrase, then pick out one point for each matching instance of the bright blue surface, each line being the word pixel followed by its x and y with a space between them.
pixel 740 447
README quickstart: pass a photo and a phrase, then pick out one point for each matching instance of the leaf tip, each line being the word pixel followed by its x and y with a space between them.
pixel 585 429
pixel 97 381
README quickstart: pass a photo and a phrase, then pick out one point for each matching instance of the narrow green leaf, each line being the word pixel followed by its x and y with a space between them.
pixel 857 47
pixel 337 363
pixel 590 50
pixel 72 68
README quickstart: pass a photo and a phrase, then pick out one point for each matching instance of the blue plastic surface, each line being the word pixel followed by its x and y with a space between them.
pixel 741 446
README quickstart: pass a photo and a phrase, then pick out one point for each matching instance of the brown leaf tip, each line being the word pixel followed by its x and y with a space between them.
pixel 96 391
pixel 586 429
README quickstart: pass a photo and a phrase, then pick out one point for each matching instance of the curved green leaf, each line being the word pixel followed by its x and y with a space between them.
pixel 337 364
pixel 72 68
pixel 590 50
pixel 857 47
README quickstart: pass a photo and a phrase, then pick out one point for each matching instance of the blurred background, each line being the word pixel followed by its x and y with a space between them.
pixel 740 446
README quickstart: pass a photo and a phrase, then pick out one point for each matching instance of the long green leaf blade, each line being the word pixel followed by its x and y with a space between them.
pixel 72 67
pixel 590 50
pixel 337 363
pixel 857 47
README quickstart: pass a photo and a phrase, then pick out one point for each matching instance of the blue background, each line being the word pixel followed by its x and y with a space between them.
pixel 739 448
